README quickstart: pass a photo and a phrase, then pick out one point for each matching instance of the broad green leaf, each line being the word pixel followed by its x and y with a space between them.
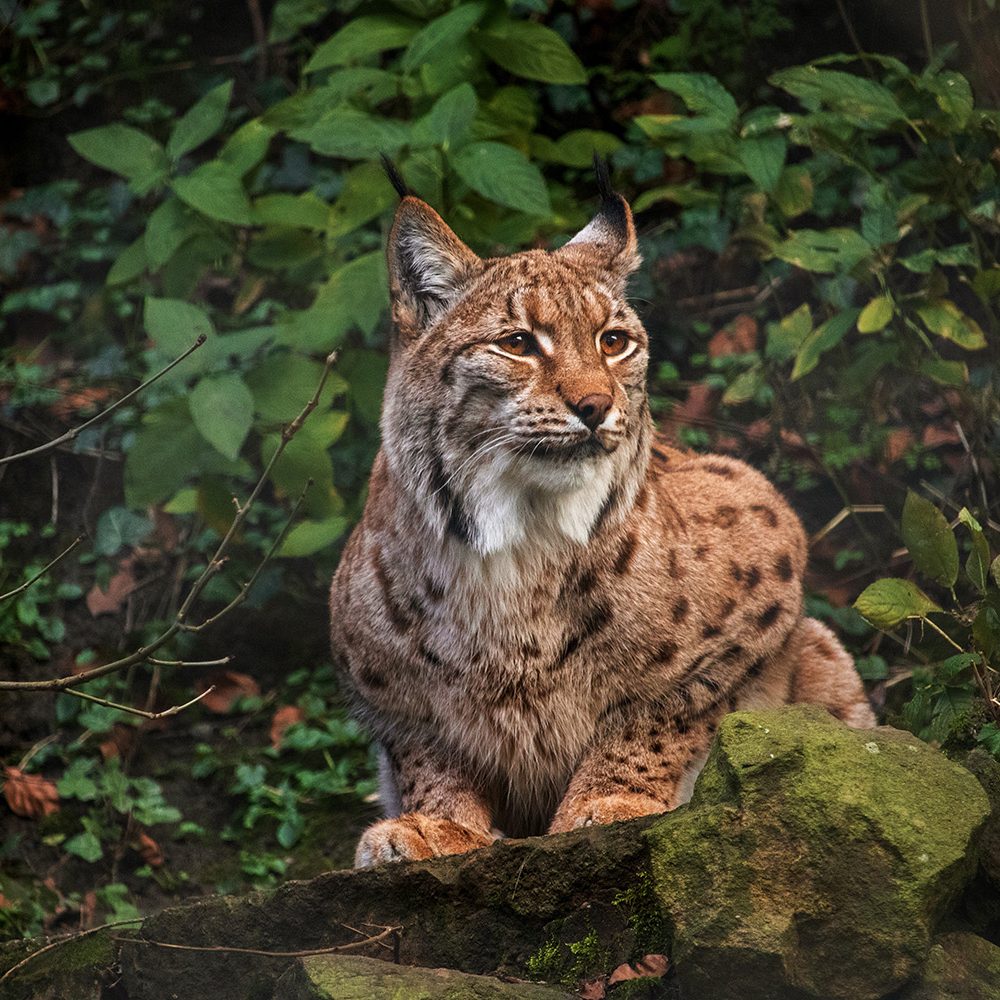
pixel 438 37
pixel 309 537
pixel 878 218
pixel 129 264
pixel 78 782
pixel 744 387
pixel 85 845
pixel 118 527
pixel 365 195
pixel 931 541
pixel 247 146
pixel 170 225
pixel 200 122
pixel 986 627
pixel 787 336
pixel 686 195
pixel 961 254
pixel 289 17
pixel 945 372
pixel 365 372
pixel 824 252
pixel 946 320
pixel 306 210
pixel 353 135
pixel 953 95
pixel 502 174
pixel 876 315
pixel 510 111
pixel 826 336
pixel 447 123
pixel 175 325
pixel 575 149
pixel 702 94
pixel 215 190
pixel 866 102
pixel 987 282
pixel 283 383
pixel 888 602
pixel 284 248
pixel 977 566
pixel 222 410
pixel 126 151
pixel 532 51
pixel 763 158
pixel 361 37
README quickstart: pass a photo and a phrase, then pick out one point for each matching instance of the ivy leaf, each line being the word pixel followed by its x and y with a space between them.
pixel 200 122
pixel 876 315
pixel 435 39
pixel 977 566
pixel 886 603
pixel 222 410
pixel 215 190
pixel 118 527
pixel 126 151
pixel 361 37
pixel 702 94
pixel 502 174
pixel 533 51
pixel 931 541
pixel 946 320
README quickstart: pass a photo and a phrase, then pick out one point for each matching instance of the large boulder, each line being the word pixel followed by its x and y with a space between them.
pixel 814 860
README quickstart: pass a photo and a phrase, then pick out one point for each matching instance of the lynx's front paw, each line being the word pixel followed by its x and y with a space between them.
pixel 415 837
pixel 607 809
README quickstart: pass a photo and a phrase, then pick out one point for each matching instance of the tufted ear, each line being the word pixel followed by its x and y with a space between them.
pixel 608 240
pixel 429 266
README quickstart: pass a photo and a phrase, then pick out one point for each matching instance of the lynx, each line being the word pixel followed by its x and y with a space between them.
pixel 544 612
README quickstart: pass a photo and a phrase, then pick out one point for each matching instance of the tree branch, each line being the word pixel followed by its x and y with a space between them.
pixel 173 710
pixel 27 583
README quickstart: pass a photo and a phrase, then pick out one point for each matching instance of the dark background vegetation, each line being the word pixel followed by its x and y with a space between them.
pixel 820 286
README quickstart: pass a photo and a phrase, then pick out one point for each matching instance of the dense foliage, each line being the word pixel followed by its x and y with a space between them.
pixel 847 208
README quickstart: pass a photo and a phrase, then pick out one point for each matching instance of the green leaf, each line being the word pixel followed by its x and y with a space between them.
pixel 118 527
pixel 126 151
pixel 353 135
pixel 175 325
pixel 306 210
pixel 878 219
pixel 86 846
pixel 876 315
pixel 886 603
pixel 995 570
pixel 872 668
pixel 786 337
pixel 793 193
pixel 864 101
pixel 361 37
pixel 309 537
pixel 825 252
pixel 825 337
pixel 575 149
pixel 215 190
pixel 945 372
pixel 763 159
pixel 438 37
pixel 977 566
pixel 365 195
pixel 686 195
pixel 953 95
pixel 129 264
pixel 502 174
pixel 283 383
pixel 986 627
pixel 222 410
pixel 702 94
pixel 532 51
pixel 744 387
pixel 170 225
pixel 930 540
pixel 959 255
pixel 200 122
pixel 246 147
pixel 946 320
pixel 77 781
pixel 448 122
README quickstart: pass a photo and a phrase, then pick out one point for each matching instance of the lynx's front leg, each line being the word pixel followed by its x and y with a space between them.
pixel 637 766
pixel 439 812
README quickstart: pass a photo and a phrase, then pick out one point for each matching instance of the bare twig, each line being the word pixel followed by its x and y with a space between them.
pixel 845 513
pixel 27 583
pixel 74 432
pixel 144 713
pixel 191 663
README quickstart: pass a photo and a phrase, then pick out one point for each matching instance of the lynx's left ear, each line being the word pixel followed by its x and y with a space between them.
pixel 608 240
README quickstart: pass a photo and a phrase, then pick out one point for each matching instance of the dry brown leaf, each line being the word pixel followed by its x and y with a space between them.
pixel 29 795
pixel 897 443
pixel 594 989
pixel 936 435
pixel 648 967
pixel 284 717
pixel 110 601
pixel 737 337
pixel 149 850
pixel 88 910
pixel 119 741
pixel 229 685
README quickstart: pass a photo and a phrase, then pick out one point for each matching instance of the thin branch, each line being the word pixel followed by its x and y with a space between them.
pixel 306 953
pixel 59 558
pixel 74 432
pixel 191 663
pixel 215 564
pixel 173 710
pixel 845 512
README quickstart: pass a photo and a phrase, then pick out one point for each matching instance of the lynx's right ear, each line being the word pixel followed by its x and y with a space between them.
pixel 429 266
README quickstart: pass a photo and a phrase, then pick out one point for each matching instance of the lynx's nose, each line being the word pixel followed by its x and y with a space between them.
pixel 593 409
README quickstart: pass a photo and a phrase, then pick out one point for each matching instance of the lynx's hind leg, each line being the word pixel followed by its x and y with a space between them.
pixel 823 673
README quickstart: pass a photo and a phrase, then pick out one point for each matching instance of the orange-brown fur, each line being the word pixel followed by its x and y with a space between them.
pixel 542 625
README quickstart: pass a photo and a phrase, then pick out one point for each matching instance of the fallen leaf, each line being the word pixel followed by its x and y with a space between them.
pixel 229 685
pixel 88 910
pixel 110 601
pixel 284 717
pixel 594 989
pixel 149 850
pixel 119 741
pixel 737 337
pixel 897 443
pixel 29 795
pixel 936 435
pixel 76 401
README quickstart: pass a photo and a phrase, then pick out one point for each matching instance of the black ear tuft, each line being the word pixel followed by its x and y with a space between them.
pixel 603 173
pixel 395 177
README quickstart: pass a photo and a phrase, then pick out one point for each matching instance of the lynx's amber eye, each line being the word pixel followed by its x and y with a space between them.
pixel 614 342
pixel 519 344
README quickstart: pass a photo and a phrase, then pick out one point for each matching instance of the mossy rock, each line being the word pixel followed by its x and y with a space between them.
pixel 78 968
pixel 349 977
pixel 987 771
pixel 814 860
pixel 960 967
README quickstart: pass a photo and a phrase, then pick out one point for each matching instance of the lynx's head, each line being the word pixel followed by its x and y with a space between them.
pixel 515 410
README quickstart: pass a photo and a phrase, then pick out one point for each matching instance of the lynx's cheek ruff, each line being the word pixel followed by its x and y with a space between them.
pixel 544 611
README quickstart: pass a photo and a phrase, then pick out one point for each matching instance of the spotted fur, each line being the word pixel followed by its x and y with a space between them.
pixel 542 621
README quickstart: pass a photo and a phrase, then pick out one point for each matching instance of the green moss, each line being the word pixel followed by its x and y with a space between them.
pixel 569 962
pixel 644 915
pixel 548 963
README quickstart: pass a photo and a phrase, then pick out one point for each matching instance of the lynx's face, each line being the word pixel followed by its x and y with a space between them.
pixel 516 395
